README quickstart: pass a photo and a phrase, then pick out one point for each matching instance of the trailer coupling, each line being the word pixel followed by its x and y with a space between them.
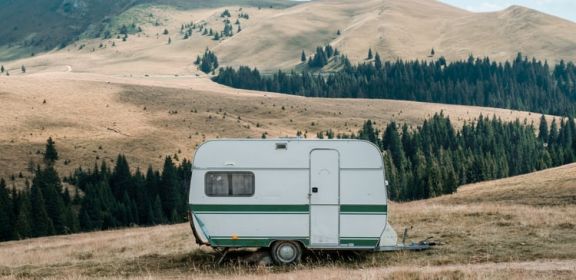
pixel 419 246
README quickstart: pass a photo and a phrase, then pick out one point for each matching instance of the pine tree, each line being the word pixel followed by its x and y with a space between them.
pixel 303 56
pixel 391 141
pixel 49 183
pixel 40 223
pixel 553 135
pixel 370 56
pixel 121 178
pixel 377 61
pixel 23 227
pixel 6 213
pixel 170 194
pixel 50 155
pixel 2 69
pixel 543 131
pixel 158 213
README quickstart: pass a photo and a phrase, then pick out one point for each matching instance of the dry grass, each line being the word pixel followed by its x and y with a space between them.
pixel 94 117
pixel 479 239
pixel 270 39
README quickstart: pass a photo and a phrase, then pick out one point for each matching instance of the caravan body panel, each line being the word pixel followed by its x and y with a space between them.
pixel 326 194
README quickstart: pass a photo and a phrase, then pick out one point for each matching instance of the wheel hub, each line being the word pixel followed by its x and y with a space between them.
pixel 287 252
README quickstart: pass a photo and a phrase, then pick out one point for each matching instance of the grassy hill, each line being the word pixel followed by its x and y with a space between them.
pixel 278 30
pixel 516 228
pixel 94 117
pixel 43 25
pixel 399 29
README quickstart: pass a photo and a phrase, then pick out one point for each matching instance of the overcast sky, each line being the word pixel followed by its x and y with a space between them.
pixel 561 8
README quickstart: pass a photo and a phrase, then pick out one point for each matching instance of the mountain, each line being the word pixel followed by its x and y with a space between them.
pixel 400 29
pixel 42 25
pixel 278 30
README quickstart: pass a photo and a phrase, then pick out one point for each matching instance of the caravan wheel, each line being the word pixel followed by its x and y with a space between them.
pixel 286 252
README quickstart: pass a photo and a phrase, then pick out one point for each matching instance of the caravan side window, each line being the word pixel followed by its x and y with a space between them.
pixel 229 183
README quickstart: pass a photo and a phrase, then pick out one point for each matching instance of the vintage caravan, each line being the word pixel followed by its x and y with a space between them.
pixel 291 194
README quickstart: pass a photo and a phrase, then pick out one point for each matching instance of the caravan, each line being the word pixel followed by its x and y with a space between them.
pixel 290 194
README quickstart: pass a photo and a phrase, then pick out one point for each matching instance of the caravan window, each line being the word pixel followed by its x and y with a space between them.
pixel 229 184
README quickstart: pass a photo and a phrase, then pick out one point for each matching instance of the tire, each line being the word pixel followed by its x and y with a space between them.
pixel 286 252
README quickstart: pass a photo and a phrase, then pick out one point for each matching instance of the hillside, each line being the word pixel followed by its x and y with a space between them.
pixel 269 39
pixel 516 228
pixel 43 25
pixel 400 29
pixel 94 117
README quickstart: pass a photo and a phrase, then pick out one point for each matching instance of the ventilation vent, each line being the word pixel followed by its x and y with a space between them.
pixel 281 146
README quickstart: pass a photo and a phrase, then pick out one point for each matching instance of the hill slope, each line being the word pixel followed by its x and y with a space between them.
pixel 41 25
pixel 272 38
pixel 483 234
pixel 400 29
pixel 94 117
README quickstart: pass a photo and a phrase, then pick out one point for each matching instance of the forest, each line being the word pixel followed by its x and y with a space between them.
pixel 521 84
pixel 422 162
pixel 434 158
pixel 104 198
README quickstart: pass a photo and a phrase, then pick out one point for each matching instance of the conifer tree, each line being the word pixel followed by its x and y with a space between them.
pixel 49 183
pixel 6 213
pixel 40 223
pixel 23 226
pixel 50 155
pixel 377 61
pixel 303 56
pixel 370 56
pixel 121 178
pixel 543 131
pixel 157 211
pixel 553 135
pixel 170 194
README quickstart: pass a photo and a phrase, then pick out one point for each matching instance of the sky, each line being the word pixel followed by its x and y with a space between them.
pixel 561 8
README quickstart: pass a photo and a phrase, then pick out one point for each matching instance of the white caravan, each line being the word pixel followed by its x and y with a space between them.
pixel 290 194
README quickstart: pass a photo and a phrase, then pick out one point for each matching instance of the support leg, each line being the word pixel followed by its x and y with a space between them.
pixel 223 255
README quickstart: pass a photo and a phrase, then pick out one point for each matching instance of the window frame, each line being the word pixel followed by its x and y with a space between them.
pixel 229 175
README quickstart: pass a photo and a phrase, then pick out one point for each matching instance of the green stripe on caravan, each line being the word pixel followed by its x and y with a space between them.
pixel 364 209
pixel 253 241
pixel 292 208
pixel 249 208
pixel 359 242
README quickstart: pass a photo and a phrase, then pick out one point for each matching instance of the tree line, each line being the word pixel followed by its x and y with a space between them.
pixel 521 84
pixel 104 198
pixel 427 161
pixel 434 158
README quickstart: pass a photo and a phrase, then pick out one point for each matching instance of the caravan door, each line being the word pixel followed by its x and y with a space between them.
pixel 324 198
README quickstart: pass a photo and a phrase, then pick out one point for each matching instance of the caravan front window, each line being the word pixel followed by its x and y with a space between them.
pixel 229 184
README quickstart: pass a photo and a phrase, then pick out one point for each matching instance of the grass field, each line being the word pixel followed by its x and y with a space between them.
pixel 93 117
pixel 492 230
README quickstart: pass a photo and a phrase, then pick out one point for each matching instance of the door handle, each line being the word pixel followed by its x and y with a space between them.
pixel 315 190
